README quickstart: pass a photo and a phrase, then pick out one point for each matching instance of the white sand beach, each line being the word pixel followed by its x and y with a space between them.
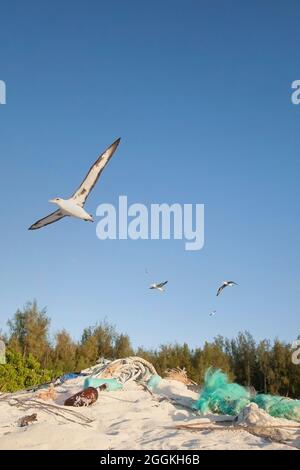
pixel 128 419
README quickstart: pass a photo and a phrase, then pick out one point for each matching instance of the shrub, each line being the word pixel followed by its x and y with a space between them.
pixel 22 372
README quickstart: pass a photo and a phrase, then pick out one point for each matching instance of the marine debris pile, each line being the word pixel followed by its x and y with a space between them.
pixel 239 409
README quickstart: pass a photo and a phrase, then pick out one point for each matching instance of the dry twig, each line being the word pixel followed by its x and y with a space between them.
pixel 267 432
pixel 180 375
pixel 62 412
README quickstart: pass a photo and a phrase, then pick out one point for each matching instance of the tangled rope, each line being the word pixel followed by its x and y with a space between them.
pixel 124 370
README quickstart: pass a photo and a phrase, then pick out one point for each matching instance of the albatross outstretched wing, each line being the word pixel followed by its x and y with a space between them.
pixel 94 172
pixel 221 288
pixel 161 284
pixel 57 215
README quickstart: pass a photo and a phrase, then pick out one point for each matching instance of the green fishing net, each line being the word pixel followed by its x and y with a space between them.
pixel 221 396
pixel 279 407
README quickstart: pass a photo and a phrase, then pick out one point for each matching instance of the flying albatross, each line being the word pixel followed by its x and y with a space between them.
pixel 158 286
pixel 226 284
pixel 74 205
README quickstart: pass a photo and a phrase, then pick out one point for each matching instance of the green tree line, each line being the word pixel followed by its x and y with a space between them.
pixel 32 358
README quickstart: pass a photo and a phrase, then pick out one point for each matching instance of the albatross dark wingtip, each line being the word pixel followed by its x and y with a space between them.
pixel 116 142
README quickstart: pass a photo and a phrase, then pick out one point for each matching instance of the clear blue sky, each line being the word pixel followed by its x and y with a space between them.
pixel 199 91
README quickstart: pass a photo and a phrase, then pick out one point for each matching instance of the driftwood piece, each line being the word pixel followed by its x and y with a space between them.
pixel 146 388
pixel 273 433
pixel 27 419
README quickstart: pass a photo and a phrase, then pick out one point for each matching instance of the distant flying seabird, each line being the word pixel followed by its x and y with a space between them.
pixel 159 286
pixel 213 313
pixel 226 284
pixel 74 205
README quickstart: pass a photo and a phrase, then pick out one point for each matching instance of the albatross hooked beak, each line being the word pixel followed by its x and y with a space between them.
pixel 54 201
